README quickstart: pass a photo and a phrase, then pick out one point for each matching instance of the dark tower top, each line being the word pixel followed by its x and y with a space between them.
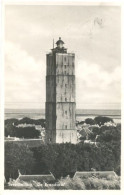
pixel 60 48
pixel 59 43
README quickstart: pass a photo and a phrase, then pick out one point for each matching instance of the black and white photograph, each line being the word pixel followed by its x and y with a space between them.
pixel 62 96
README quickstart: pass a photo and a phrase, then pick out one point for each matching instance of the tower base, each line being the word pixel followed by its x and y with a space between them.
pixel 69 136
pixel 61 136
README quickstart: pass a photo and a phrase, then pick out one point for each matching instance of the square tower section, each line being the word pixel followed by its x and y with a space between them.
pixel 60 97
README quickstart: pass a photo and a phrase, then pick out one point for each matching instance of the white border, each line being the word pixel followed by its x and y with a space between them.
pixel 59 2
pixel 64 2
pixel 1 99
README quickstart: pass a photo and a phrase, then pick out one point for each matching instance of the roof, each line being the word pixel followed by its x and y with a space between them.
pixel 59 41
pixel 99 174
pixel 39 178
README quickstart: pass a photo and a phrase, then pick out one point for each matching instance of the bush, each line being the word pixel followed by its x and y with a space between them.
pixel 72 184
pixel 68 184
pixel 101 183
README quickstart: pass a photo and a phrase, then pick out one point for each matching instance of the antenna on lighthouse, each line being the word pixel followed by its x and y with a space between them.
pixel 53 43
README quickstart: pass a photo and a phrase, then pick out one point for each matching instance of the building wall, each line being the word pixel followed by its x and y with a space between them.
pixel 65 116
pixel 51 64
pixel 50 122
pixel 65 64
pixel 66 136
pixel 50 115
pixel 65 88
pixel 50 88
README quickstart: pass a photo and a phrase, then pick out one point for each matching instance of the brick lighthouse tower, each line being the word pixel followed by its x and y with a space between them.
pixel 60 96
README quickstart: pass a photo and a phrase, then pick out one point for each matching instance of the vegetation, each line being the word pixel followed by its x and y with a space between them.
pixel 67 183
pixel 25 120
pixel 17 157
pixel 89 121
pixel 99 120
pixel 101 184
pixel 66 159
pixel 110 133
pixel 12 130
pixel 21 132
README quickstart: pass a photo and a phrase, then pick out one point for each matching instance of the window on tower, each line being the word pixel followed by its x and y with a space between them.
pixel 65 126
pixel 66 112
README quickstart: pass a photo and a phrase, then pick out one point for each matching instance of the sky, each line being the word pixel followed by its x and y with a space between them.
pixel 91 32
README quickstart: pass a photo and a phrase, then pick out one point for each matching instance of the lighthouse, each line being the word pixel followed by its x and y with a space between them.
pixel 60 96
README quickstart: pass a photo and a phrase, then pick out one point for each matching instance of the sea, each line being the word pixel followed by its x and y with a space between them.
pixel 81 114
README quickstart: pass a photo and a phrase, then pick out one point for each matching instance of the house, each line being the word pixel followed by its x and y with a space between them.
pixel 11 138
pixel 49 178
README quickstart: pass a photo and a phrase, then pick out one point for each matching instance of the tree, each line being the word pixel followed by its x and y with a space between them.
pixel 94 131
pixel 11 121
pixel 60 159
pixel 81 122
pixel 66 160
pixel 17 157
pixel 27 120
pixel 85 132
pixel 110 141
pixel 100 120
pixel 21 132
pixel 110 133
pixel 10 130
pixel 27 132
pixel 90 121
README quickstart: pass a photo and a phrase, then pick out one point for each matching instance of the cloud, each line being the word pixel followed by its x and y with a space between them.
pixel 91 32
pixel 25 81
pixel 93 85
pixel 23 76
pixel 34 27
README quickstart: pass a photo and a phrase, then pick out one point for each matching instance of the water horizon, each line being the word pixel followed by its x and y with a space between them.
pixel 81 114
